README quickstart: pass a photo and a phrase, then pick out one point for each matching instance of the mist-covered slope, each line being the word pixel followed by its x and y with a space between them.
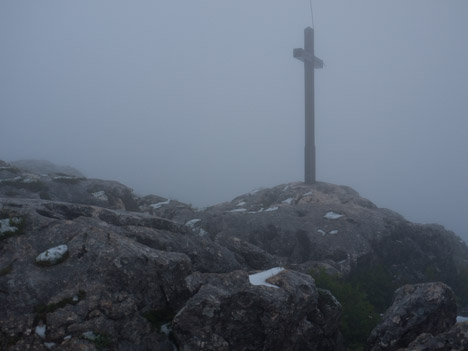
pixel 86 258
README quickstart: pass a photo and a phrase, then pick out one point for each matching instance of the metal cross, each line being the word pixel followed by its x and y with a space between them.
pixel 311 62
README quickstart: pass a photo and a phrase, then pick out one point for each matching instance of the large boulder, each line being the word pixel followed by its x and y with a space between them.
pixel 227 312
pixel 105 290
pixel 454 339
pixel 416 309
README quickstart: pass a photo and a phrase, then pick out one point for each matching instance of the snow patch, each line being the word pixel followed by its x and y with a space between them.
pixel 321 232
pixel 259 211
pixel 253 192
pixel 333 232
pixel 286 188
pixel 160 204
pixel 461 319
pixel 202 232
pixel 261 277
pixel 275 208
pixel 41 330
pixel 100 195
pixel 332 215
pixel 89 335
pixel 192 222
pixel 240 204
pixel 49 345
pixel 5 225
pixel 307 194
pixel 52 255
pixel 238 210
pixel 288 201
pixel 166 329
pixel 15 179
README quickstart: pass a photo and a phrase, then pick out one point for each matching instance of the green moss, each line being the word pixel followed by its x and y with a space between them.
pixel 358 316
pixel 159 317
pixel 102 341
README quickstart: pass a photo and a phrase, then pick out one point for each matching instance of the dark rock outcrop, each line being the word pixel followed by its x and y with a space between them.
pixel 128 264
pixel 228 313
pixel 454 339
pixel 417 309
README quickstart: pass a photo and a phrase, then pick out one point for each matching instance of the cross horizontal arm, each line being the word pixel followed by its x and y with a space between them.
pixel 306 56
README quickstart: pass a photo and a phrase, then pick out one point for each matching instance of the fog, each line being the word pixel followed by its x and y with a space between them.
pixel 202 101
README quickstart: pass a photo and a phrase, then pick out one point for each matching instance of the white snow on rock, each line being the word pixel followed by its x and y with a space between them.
pixel 52 255
pixel 288 201
pixel 333 231
pixel 166 329
pixel 260 210
pixel 332 215
pixel 202 232
pixel 49 345
pixel 275 208
pixel 41 330
pixel 192 222
pixel 253 192
pixel 89 335
pixel 307 194
pixel 461 319
pixel 261 277
pixel 238 210
pixel 240 204
pixel 15 179
pixel 5 225
pixel 321 232
pixel 286 188
pixel 160 204
pixel 100 195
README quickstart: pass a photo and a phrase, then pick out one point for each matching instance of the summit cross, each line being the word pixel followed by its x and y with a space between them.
pixel 311 62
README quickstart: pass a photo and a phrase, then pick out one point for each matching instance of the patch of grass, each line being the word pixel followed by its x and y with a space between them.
pixel 159 317
pixel 102 341
pixel 358 316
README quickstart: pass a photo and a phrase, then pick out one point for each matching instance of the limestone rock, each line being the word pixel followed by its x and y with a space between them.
pixel 421 308
pixel 228 313
pixel 454 339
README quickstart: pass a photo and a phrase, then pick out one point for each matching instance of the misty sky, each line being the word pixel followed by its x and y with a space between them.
pixel 202 101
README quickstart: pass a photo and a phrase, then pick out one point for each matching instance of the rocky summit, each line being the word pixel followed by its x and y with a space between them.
pixel 85 264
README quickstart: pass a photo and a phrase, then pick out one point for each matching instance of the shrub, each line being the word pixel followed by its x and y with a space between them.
pixel 358 316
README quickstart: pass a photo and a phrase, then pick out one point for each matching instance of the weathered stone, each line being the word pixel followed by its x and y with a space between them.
pixel 228 313
pixel 454 339
pixel 422 308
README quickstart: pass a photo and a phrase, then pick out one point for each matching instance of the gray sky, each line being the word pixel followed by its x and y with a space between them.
pixel 202 101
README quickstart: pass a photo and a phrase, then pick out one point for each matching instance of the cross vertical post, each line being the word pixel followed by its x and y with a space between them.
pixel 311 62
